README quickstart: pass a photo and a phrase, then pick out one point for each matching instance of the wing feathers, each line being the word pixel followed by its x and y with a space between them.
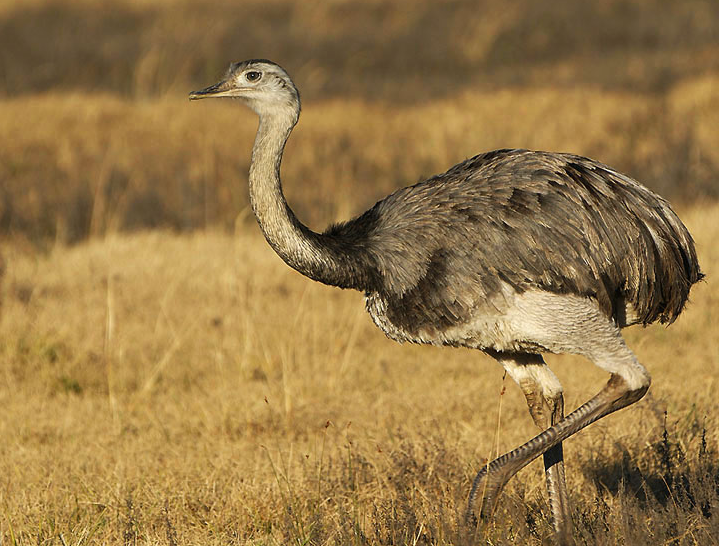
pixel 559 222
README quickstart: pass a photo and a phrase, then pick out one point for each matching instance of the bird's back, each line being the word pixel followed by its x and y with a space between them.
pixel 449 246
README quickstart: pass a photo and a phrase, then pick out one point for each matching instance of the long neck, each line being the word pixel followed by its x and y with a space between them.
pixel 316 256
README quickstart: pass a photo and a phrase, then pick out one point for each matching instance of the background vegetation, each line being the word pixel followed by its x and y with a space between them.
pixel 96 135
pixel 167 380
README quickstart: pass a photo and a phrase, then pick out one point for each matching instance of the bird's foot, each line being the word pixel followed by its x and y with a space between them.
pixel 488 483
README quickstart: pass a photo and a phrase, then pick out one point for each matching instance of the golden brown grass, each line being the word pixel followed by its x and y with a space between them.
pixel 78 165
pixel 183 386
pixel 96 135
pixel 164 389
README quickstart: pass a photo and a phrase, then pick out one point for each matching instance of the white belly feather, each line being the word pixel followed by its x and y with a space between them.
pixel 532 321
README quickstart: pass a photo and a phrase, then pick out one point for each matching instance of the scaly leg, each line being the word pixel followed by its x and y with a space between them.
pixel 551 414
pixel 544 396
pixel 617 394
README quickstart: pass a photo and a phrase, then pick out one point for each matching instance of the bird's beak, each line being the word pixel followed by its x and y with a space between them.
pixel 220 89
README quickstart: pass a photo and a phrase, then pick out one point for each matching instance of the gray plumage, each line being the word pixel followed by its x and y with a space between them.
pixel 513 252
pixel 558 222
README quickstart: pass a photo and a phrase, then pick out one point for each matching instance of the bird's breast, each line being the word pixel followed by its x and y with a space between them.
pixel 533 321
pixel 489 324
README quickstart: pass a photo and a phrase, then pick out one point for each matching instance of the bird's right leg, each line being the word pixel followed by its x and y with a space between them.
pixel 618 393
pixel 544 395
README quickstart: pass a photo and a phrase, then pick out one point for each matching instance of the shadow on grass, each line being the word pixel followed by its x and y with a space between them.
pixel 666 494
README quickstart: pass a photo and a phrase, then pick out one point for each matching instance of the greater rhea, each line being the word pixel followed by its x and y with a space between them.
pixel 512 252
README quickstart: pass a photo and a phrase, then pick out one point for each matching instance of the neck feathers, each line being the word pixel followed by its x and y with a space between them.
pixel 323 258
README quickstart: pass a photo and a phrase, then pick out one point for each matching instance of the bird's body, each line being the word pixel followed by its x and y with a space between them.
pixel 446 261
pixel 512 252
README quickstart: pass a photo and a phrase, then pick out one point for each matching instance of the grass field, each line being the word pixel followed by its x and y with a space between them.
pixel 97 137
pixel 166 379
pixel 165 389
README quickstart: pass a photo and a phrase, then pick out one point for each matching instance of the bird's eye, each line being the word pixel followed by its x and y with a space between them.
pixel 253 76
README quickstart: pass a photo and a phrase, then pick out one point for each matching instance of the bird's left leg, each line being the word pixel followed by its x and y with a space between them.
pixel 628 383
pixel 544 395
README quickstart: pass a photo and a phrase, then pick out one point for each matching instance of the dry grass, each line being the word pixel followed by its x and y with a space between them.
pixel 397 51
pixel 163 389
pixel 97 137
pixel 122 165
pixel 182 386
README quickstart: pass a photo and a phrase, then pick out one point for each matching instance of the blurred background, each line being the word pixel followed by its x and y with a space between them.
pixel 167 380
pixel 97 135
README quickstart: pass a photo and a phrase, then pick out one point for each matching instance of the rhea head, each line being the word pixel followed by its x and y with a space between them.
pixel 261 84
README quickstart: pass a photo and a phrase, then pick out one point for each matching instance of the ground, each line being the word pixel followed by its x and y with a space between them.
pixel 179 389
pixel 166 379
